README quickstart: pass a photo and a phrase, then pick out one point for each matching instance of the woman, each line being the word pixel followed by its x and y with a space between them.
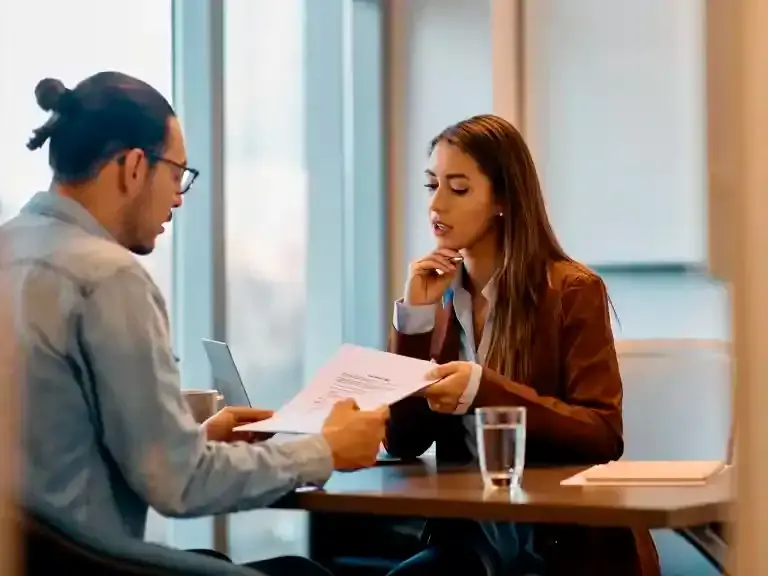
pixel 511 320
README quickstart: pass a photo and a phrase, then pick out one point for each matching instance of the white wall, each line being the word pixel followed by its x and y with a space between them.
pixel 443 73
pixel 669 305
pixel 615 117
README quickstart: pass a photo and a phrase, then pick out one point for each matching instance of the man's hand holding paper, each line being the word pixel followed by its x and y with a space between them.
pixel 354 435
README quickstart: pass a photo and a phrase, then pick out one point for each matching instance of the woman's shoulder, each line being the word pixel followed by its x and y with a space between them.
pixel 567 275
pixel 576 291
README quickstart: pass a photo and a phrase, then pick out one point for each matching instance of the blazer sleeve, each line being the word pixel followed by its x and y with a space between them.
pixel 411 426
pixel 586 424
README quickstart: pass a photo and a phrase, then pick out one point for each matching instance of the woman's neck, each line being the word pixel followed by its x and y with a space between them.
pixel 480 263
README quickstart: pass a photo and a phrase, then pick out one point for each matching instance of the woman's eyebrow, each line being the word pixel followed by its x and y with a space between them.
pixel 449 176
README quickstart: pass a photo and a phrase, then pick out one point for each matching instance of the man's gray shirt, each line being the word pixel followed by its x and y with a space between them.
pixel 106 431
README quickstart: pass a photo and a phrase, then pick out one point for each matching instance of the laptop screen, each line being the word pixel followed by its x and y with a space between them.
pixel 226 376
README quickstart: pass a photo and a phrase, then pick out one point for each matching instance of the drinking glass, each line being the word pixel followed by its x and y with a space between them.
pixel 501 445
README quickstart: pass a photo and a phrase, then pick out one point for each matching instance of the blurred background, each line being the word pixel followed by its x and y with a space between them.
pixel 310 120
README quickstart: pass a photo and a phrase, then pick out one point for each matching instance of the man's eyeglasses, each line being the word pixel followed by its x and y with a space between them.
pixel 188 175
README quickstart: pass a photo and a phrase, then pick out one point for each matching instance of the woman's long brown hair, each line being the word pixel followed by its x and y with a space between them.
pixel 527 241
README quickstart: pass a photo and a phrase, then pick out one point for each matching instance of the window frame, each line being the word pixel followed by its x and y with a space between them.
pixel 346 270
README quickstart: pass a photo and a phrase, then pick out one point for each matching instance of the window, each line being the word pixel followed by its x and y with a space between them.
pixel 265 192
pixel 303 205
pixel 70 41
pixel 265 226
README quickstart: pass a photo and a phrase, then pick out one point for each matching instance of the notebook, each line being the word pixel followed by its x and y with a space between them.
pixel 648 473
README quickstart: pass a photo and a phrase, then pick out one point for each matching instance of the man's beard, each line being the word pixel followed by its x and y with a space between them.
pixel 141 249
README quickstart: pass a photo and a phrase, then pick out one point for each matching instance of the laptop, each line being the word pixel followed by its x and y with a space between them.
pixel 226 376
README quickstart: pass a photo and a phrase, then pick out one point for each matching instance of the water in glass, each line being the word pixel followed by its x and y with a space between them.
pixel 501 445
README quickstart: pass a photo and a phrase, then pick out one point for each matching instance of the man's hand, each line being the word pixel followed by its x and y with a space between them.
pixel 452 379
pixel 354 435
pixel 220 427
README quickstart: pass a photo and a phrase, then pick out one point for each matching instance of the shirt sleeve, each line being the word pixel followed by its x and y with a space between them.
pixel 148 429
pixel 413 319
pixel 420 320
pixel 468 396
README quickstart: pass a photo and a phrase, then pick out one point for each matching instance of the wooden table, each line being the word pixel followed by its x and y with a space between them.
pixel 425 490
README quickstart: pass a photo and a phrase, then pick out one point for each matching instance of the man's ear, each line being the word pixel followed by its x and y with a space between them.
pixel 135 169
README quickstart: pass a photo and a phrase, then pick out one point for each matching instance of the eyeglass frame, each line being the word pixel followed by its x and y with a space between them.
pixel 194 173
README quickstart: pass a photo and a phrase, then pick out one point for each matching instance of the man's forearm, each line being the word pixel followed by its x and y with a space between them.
pixel 240 476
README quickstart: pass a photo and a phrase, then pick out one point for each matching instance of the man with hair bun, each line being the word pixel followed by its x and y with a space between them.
pixel 106 430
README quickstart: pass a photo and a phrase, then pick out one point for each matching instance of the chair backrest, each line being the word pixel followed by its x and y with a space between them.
pixel 677 399
pixel 54 546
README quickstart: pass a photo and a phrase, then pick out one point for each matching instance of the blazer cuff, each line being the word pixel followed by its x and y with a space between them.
pixel 468 396
pixel 411 320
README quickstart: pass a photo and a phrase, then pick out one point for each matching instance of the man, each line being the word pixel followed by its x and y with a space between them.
pixel 106 430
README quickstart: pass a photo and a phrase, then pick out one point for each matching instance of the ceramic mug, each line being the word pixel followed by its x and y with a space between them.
pixel 203 403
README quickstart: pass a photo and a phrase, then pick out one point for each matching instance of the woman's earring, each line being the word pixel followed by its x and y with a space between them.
pixel 501 214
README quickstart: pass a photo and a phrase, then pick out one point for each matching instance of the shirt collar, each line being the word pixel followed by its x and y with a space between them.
pixel 54 205
pixel 457 286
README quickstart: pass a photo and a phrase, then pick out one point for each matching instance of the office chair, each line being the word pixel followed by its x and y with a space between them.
pixel 54 546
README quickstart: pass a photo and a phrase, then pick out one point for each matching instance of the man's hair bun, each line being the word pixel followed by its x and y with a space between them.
pixel 51 94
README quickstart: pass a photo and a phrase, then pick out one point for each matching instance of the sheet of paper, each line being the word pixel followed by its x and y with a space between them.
pixel 371 377
pixel 638 473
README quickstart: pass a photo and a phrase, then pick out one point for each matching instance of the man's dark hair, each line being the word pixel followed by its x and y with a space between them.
pixel 103 115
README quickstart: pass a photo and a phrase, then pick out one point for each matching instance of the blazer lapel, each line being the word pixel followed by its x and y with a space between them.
pixel 446 340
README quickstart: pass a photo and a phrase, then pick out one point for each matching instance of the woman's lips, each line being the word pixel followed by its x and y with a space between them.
pixel 440 229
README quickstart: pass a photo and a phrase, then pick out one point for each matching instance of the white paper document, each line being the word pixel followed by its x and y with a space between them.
pixel 371 377
pixel 648 473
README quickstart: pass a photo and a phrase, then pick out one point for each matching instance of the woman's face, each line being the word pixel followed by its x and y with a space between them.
pixel 462 206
